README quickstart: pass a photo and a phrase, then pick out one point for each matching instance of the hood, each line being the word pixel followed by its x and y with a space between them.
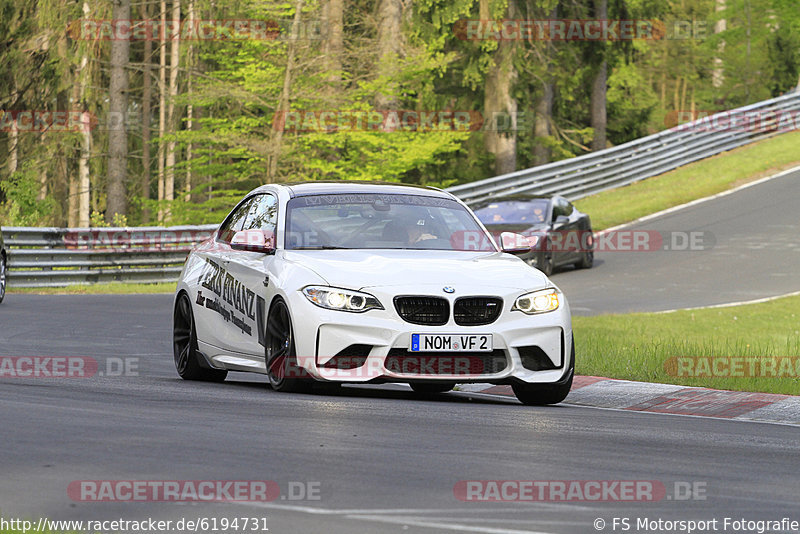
pixel 358 269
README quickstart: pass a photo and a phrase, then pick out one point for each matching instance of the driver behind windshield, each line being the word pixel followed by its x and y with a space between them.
pixel 407 231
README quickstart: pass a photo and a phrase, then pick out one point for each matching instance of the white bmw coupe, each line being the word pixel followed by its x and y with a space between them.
pixel 369 283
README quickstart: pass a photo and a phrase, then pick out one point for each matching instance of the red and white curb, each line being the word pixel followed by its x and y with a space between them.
pixel 670 399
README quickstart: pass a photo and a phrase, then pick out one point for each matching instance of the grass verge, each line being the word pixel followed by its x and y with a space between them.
pixel 690 182
pixel 638 346
pixel 113 288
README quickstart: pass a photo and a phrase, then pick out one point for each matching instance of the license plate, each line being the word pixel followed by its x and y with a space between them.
pixel 451 343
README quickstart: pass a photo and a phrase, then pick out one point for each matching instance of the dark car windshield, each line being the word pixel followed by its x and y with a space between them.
pixel 531 212
pixel 382 221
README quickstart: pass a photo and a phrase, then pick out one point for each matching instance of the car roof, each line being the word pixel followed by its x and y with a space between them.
pixel 339 187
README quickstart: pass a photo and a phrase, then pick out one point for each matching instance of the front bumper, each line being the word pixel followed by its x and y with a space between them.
pixel 373 346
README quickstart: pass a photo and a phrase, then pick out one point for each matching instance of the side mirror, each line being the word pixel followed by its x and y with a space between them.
pixel 254 241
pixel 561 219
pixel 516 243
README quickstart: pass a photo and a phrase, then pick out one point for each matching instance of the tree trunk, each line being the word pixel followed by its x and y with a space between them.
pixel 162 107
pixel 283 104
pixel 146 117
pixel 84 178
pixel 117 202
pixel 13 134
pixel 189 108
pixel 599 87
pixel 61 184
pixel 84 190
pixel 665 57
pixel 676 103
pixel 42 194
pixel 389 48
pixel 683 94
pixel 72 191
pixel 333 47
pixel 718 74
pixel 72 203
pixel 13 149
pixel 174 65
pixel 544 106
pixel 500 106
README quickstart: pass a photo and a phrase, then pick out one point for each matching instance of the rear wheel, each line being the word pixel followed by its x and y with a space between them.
pixel 541 394
pixel 184 345
pixel 587 260
pixel 281 359
pixel 546 262
pixel 429 388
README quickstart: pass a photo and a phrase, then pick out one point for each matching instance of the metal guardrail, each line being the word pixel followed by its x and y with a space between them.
pixel 53 257
pixel 642 158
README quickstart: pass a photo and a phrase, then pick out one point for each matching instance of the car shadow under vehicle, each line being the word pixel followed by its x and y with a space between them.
pixel 378 391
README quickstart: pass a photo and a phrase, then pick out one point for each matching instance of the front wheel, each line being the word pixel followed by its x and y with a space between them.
pixel 184 345
pixel 279 353
pixel 547 261
pixel 542 394
pixel 587 260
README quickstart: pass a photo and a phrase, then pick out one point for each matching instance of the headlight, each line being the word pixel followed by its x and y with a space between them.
pixel 537 302
pixel 333 298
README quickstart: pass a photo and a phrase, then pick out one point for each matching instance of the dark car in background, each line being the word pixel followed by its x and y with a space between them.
pixel 559 233
pixel 3 267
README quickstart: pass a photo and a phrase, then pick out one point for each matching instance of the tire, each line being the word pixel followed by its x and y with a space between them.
pixel 3 277
pixel 184 345
pixel 542 394
pixel 586 261
pixel 546 263
pixel 279 353
pixel 431 388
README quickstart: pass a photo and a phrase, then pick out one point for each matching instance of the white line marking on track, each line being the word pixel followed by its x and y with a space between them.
pixel 738 418
pixel 699 201
pixel 447 526
pixel 411 516
pixel 704 199
pixel 523 507
pixel 731 304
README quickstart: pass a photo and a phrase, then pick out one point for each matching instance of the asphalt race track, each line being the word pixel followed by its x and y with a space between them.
pixel 753 252
pixel 383 459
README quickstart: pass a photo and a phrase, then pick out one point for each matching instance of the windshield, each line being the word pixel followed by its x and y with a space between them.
pixel 382 221
pixel 531 212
